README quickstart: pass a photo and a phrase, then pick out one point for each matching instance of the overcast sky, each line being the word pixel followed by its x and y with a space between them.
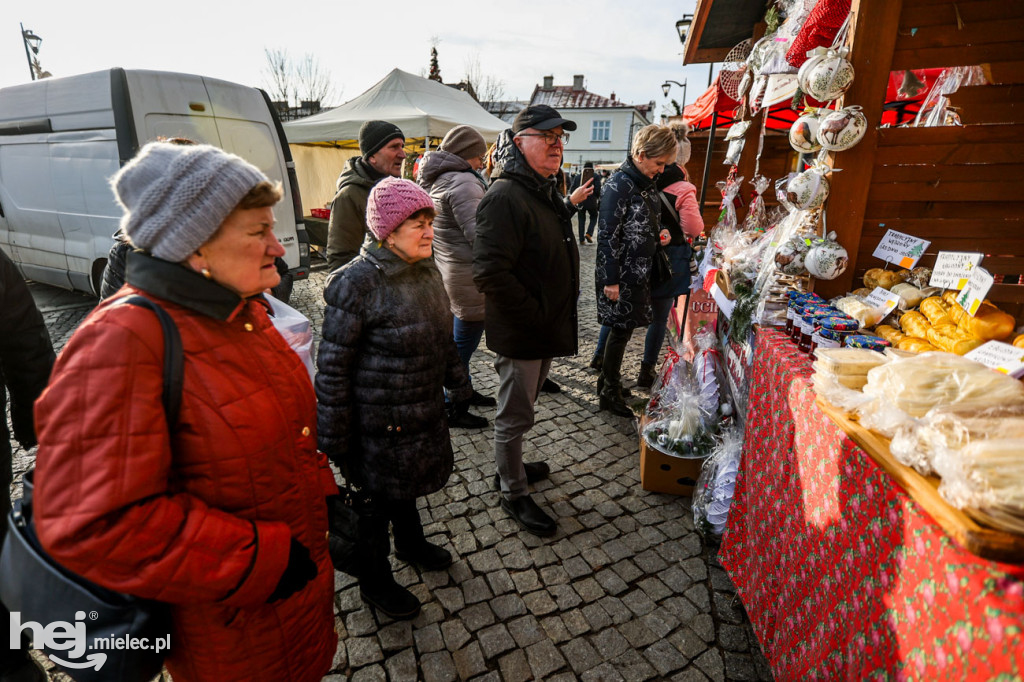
pixel 628 48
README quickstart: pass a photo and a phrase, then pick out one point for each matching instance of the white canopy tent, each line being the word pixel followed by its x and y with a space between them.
pixel 419 106
pixel 425 110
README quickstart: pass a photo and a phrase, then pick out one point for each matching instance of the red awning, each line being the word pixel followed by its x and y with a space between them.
pixel 780 116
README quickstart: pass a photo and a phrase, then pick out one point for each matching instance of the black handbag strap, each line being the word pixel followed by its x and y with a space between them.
pixel 174 357
pixel 174 379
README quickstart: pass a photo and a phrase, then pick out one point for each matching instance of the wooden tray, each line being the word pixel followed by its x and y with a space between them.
pixel 987 543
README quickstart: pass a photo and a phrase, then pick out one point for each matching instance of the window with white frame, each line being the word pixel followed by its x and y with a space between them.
pixel 601 131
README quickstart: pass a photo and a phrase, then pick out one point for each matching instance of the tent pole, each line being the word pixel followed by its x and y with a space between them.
pixel 707 160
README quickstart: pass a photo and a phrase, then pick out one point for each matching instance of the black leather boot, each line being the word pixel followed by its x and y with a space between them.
pixel 645 379
pixel 529 516
pixel 535 471
pixel 410 544
pixel 384 594
pixel 609 384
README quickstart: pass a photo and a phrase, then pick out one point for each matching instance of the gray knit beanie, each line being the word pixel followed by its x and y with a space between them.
pixel 175 197
pixel 464 141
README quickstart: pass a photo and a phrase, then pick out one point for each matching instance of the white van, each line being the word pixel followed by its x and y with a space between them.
pixel 61 139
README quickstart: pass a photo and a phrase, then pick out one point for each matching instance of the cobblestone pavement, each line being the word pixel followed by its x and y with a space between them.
pixel 625 591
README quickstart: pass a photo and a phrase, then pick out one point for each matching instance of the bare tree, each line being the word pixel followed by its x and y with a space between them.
pixel 488 90
pixel 277 75
pixel 313 82
pixel 288 80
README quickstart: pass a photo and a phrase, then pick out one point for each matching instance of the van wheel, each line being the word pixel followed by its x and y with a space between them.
pixel 97 275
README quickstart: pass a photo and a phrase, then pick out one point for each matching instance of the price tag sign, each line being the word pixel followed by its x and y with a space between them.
pixel 1002 357
pixel 953 269
pixel 882 300
pixel 902 249
pixel 972 295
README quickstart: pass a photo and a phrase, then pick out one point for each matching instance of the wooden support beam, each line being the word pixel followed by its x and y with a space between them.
pixel 873 37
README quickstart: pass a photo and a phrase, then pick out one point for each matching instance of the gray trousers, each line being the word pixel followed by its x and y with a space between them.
pixel 519 384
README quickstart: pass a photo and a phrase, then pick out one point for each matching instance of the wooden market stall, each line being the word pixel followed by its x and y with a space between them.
pixel 846 570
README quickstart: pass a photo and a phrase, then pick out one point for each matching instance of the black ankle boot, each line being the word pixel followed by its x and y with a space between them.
pixel 426 555
pixel 384 594
pixel 646 376
pixel 625 392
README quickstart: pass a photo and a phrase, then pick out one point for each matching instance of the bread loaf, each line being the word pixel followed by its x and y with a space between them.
pixel 988 323
pixel 915 324
pixel 935 310
pixel 950 339
pixel 915 345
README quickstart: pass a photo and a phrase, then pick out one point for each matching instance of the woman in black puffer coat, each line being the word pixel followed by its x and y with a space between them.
pixel 386 353
pixel 626 243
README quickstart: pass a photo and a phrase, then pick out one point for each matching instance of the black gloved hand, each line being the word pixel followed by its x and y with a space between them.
pixel 300 570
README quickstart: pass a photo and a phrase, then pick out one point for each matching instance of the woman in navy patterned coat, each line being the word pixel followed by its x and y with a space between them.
pixel 626 244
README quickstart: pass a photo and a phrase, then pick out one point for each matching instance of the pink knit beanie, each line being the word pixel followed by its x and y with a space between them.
pixel 391 202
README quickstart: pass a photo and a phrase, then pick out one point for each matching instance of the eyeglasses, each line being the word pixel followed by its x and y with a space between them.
pixel 550 138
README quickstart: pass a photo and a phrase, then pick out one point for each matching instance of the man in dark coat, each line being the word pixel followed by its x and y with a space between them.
pixel 26 358
pixel 588 209
pixel 526 264
pixel 382 149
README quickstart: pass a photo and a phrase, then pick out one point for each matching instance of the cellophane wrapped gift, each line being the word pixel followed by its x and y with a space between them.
pixel 705 368
pixel 757 215
pixel 724 230
pixel 712 496
pixel 680 426
pixel 907 388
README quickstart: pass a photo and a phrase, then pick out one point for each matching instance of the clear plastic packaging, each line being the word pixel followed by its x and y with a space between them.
pixel 977 450
pixel 848 361
pixel 757 217
pixel 683 430
pixel 705 368
pixel 910 387
pixel 716 484
pixel 735 138
pixel 935 107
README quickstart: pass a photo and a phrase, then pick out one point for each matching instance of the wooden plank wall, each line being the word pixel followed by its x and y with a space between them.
pixel 962 188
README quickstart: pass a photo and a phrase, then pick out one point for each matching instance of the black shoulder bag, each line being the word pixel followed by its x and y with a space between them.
pixel 41 591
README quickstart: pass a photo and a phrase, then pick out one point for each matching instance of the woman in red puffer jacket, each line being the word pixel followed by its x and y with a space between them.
pixel 222 515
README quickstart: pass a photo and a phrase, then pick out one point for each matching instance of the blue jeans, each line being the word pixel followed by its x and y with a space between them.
pixel 655 332
pixel 582 216
pixel 467 338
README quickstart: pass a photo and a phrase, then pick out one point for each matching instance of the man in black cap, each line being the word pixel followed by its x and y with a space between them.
pixel 382 146
pixel 526 264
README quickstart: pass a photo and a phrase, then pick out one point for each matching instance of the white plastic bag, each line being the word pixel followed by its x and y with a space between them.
pixel 296 329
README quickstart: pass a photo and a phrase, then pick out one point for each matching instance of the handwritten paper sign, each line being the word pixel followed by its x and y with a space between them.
pixel 953 269
pixel 1002 357
pixel 902 249
pixel 972 295
pixel 882 300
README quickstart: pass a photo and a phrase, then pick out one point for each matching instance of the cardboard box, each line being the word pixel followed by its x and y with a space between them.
pixel 661 473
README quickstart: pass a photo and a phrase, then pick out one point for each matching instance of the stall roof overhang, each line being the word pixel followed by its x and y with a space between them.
pixel 419 106
pixel 718 26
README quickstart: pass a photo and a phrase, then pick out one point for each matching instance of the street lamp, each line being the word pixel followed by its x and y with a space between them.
pixel 667 85
pixel 683 27
pixel 32 43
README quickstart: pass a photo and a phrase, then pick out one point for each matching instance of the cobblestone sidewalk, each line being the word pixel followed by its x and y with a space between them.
pixel 625 591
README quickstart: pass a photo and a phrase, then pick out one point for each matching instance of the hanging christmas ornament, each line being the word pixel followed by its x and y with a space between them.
pixel 826 259
pixel 827 78
pixel 803 134
pixel 809 189
pixel 840 130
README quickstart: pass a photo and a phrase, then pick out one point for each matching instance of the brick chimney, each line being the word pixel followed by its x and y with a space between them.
pixel 577 82
pixel 549 83
pixel 612 97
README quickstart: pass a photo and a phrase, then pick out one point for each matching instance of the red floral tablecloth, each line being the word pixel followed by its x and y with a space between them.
pixel 843 575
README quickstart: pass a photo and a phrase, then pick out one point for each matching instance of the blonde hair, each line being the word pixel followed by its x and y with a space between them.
pixel 654 141
pixel 681 130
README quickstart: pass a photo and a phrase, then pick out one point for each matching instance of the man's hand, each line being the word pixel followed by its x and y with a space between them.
pixel 580 194
pixel 612 292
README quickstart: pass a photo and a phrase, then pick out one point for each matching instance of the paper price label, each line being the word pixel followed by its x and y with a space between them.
pixel 972 295
pixel 1002 357
pixel 953 269
pixel 882 300
pixel 902 249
